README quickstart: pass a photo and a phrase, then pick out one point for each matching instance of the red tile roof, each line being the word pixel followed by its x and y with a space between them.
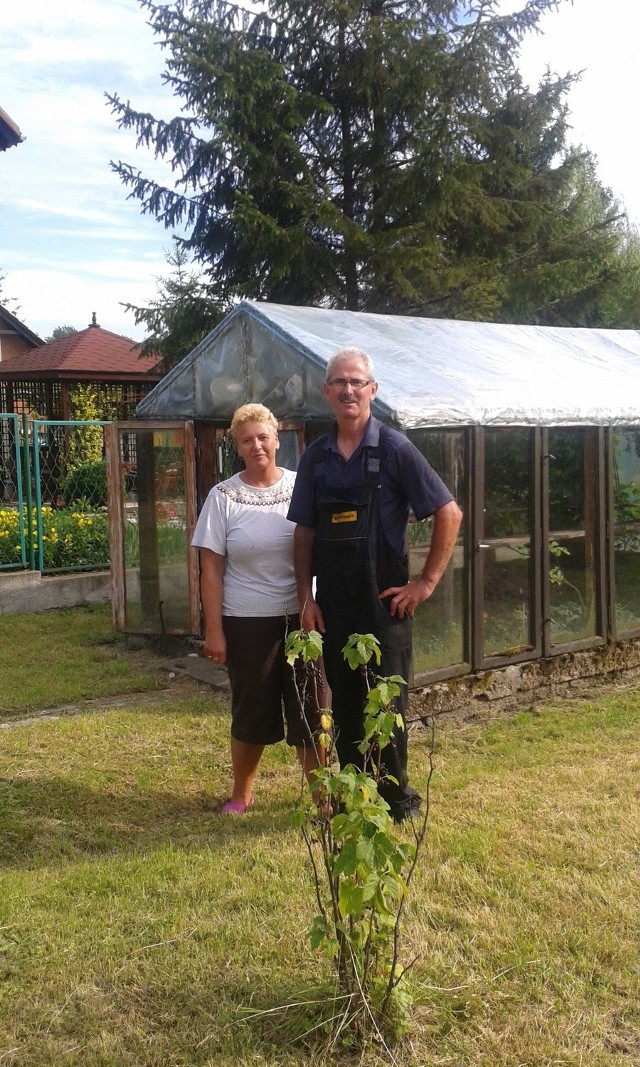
pixel 93 353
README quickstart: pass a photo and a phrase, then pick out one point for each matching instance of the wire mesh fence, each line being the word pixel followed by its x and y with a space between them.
pixel 53 495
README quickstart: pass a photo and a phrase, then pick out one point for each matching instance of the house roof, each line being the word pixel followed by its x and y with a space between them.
pixel 10 324
pixel 431 372
pixel 9 133
pixel 90 354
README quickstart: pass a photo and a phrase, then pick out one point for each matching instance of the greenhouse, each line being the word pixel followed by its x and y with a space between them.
pixel 536 430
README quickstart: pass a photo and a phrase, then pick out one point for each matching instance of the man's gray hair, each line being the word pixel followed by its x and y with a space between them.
pixel 350 352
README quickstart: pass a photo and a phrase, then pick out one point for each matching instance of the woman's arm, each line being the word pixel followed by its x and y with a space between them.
pixel 211 583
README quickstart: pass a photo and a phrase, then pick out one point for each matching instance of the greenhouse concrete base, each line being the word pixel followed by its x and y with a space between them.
pixel 29 591
pixel 526 684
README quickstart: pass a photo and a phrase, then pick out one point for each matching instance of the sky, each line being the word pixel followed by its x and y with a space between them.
pixel 71 244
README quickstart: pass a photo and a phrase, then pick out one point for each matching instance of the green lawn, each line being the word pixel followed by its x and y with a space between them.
pixel 62 656
pixel 139 928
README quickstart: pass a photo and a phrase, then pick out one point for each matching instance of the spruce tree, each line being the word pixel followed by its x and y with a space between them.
pixel 184 311
pixel 380 156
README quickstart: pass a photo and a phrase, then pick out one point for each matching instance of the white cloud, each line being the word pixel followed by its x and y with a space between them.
pixel 65 211
pixel 89 33
pixel 601 41
pixel 71 242
pixel 44 297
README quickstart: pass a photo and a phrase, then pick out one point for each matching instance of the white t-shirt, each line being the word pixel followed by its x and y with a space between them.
pixel 249 527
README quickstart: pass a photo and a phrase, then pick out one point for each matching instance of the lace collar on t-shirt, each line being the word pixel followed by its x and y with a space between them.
pixel 240 493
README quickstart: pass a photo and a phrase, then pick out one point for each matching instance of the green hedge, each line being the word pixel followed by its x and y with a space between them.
pixel 87 485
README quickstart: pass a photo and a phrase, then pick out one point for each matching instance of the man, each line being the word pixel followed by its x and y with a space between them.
pixel 350 503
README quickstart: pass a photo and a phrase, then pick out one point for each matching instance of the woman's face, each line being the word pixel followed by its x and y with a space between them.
pixel 256 444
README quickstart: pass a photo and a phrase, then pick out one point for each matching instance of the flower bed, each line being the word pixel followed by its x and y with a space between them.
pixel 73 539
pixel 70 539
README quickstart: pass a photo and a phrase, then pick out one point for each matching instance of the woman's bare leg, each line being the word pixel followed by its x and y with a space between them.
pixel 244 759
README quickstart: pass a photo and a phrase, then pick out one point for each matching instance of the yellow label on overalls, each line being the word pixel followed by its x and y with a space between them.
pixel 344 516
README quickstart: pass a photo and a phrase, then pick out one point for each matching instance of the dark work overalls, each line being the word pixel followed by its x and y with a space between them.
pixel 353 564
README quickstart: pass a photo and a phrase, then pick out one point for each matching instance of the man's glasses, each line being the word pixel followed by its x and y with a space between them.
pixel 355 383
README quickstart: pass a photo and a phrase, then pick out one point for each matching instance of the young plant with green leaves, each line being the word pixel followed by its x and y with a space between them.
pixel 362 862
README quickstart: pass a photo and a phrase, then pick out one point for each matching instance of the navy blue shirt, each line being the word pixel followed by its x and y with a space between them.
pixel 407 480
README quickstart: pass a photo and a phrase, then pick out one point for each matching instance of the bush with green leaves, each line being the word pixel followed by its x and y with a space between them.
pixel 78 537
pixel 87 485
pixel 71 538
pixel 361 861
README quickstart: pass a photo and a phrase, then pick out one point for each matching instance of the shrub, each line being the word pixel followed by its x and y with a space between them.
pixel 362 867
pixel 70 539
pixel 73 539
pixel 87 483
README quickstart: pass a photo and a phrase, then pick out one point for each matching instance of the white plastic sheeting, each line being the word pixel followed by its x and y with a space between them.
pixel 431 372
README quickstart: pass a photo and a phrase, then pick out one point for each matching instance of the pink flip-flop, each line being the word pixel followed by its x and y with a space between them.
pixel 236 807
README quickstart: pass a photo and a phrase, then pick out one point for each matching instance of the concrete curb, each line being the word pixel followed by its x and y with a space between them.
pixel 30 592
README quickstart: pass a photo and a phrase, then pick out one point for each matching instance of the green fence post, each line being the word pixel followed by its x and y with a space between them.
pixel 37 423
pixel 26 466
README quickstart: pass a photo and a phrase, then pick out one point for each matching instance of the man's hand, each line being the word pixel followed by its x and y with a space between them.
pixel 405 598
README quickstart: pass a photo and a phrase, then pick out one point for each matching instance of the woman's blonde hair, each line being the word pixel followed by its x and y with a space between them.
pixel 252 413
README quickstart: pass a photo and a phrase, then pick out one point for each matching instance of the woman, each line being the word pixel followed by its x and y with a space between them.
pixel 249 600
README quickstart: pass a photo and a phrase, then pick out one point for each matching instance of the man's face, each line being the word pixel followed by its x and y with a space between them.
pixel 349 402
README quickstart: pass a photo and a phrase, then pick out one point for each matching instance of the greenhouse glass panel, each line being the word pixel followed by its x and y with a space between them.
pixel 572 535
pixel 506 542
pixel 438 624
pixel 626 528
pixel 288 454
pixel 155 534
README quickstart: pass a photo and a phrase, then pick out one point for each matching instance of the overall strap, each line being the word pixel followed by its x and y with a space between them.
pixel 375 455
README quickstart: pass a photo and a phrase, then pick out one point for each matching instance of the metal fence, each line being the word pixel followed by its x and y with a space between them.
pixel 53 495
